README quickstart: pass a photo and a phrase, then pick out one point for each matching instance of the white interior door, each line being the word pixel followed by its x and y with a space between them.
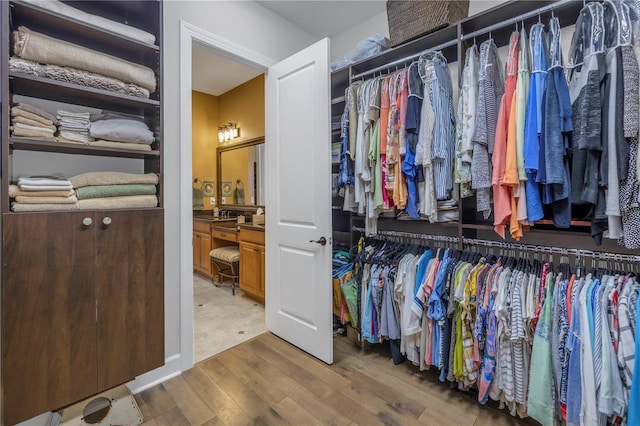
pixel 298 196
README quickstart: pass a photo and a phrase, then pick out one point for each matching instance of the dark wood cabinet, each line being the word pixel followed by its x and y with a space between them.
pixel 130 294
pixel 82 305
pixel 48 312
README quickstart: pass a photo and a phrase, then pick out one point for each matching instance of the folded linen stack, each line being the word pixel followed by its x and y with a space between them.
pixel 74 127
pixel 43 194
pixel 115 190
pixel 31 122
pixel 121 133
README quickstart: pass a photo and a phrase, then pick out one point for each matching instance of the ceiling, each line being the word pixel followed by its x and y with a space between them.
pixel 215 74
pixel 325 18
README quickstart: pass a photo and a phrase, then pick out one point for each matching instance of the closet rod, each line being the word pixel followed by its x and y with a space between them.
pixel 511 246
pixel 555 250
pixel 400 234
pixel 405 59
pixel 517 19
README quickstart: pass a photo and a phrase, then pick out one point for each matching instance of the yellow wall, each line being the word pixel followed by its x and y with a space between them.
pixel 204 137
pixel 244 106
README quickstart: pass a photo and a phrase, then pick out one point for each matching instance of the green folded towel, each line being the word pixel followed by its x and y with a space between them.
pixel 103 191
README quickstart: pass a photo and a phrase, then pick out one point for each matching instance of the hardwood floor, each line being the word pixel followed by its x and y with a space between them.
pixel 267 381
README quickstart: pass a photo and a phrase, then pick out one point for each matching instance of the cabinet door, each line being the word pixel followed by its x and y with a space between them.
pixel 263 276
pixel 130 286
pixel 196 251
pixel 205 248
pixel 250 268
pixel 48 312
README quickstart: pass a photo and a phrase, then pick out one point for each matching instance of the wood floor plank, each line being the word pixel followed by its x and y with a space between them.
pixel 395 398
pixel 436 398
pixel 190 403
pixel 215 422
pixel 305 361
pixel 353 410
pixel 226 409
pixel 386 411
pixel 247 373
pixel 149 422
pixel 293 370
pixel 295 414
pixel 157 400
pixel 298 392
pixel 172 417
pixel 256 408
pixel 436 393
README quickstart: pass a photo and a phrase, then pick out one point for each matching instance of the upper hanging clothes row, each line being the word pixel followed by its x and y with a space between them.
pixel 544 141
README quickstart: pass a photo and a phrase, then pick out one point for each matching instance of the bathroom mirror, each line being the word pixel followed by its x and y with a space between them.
pixel 241 173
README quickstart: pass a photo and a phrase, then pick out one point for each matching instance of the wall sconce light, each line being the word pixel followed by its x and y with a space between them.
pixel 228 132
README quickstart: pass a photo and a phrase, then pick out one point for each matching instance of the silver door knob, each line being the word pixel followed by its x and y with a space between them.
pixel 106 221
pixel 322 241
pixel 87 221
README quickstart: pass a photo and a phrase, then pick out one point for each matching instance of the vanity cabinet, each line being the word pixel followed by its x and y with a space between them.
pixel 202 247
pixel 87 305
pixel 252 262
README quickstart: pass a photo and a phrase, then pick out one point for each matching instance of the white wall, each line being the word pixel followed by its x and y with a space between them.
pixel 345 42
pixel 245 23
pixel 477 6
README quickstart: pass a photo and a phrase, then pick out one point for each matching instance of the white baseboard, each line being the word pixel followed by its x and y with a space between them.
pixel 171 368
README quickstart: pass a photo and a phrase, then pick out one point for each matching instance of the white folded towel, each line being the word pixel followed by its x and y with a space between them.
pixel 44 181
pixel 43 187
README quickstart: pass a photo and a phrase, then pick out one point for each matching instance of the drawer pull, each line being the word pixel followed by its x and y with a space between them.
pixel 106 221
pixel 87 221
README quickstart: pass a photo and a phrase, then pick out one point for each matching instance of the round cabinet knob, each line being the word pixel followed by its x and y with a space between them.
pixel 106 221
pixel 87 221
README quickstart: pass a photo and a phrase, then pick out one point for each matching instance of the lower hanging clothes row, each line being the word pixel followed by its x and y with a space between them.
pixel 549 341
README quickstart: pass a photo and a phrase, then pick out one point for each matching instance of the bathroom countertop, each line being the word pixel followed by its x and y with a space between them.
pixel 207 218
pixel 257 227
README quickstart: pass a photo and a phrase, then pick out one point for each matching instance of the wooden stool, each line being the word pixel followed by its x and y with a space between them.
pixel 227 260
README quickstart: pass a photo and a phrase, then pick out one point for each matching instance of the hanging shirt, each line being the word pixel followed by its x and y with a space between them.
pixel 409 168
pixel 501 192
pixel 444 127
pixel 466 120
pixel 587 70
pixel 490 90
pixel 533 121
pixel 557 132
pixel 541 401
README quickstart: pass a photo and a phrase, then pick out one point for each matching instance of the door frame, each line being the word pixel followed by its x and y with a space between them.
pixel 188 35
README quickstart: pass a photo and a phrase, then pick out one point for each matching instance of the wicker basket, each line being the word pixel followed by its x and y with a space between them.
pixel 410 19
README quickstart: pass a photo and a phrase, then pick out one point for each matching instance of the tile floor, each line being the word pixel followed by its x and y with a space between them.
pixel 222 320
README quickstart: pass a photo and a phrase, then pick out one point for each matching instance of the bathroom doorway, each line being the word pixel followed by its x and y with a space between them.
pixel 221 320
